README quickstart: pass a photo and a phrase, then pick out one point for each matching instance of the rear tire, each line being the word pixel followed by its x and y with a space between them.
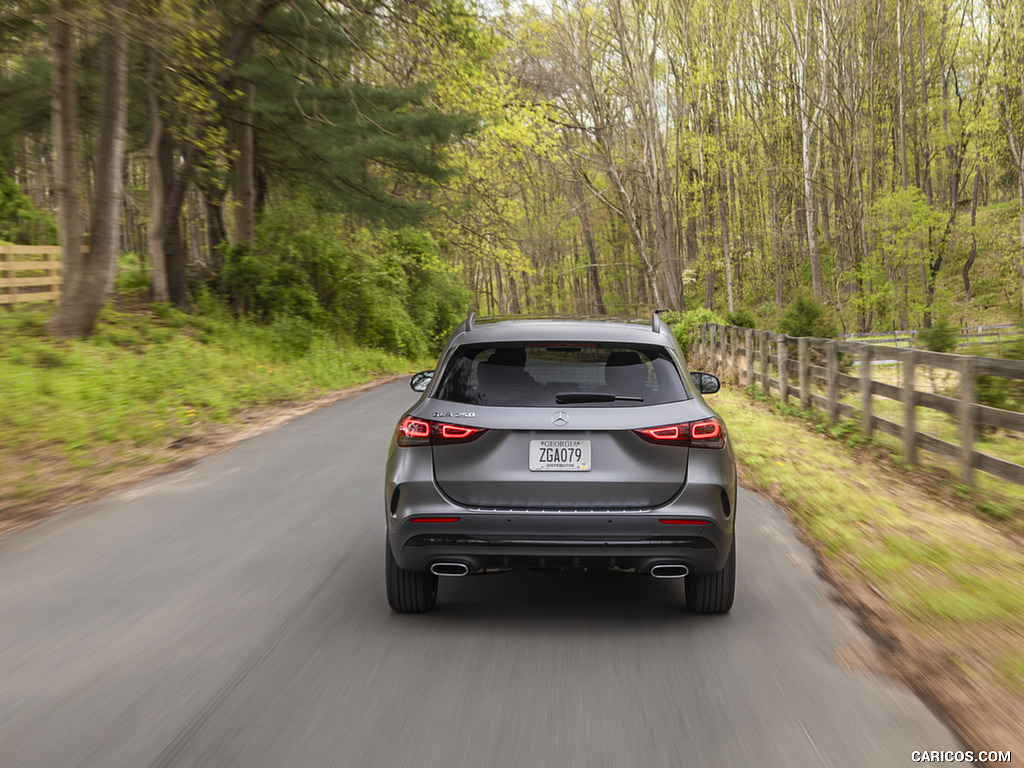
pixel 408 591
pixel 713 592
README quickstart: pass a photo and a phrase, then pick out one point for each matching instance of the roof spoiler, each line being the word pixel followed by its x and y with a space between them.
pixel 656 322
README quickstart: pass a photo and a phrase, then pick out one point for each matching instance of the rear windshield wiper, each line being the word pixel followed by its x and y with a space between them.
pixel 563 398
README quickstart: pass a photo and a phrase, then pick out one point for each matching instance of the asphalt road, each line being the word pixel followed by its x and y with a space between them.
pixel 233 614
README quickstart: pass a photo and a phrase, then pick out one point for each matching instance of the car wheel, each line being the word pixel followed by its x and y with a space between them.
pixel 713 592
pixel 409 591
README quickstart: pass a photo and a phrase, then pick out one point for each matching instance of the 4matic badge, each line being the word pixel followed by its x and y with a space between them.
pixel 454 414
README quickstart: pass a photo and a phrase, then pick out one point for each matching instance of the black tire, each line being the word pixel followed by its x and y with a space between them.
pixel 409 591
pixel 713 592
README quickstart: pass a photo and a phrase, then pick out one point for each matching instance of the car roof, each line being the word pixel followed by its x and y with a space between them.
pixel 597 328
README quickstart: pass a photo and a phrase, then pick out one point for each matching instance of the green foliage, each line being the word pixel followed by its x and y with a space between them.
pixel 20 221
pixel 132 278
pixel 742 317
pixel 997 392
pixel 806 317
pixel 389 290
pixel 24 92
pixel 360 145
pixel 941 337
pixel 900 227
pixel 685 324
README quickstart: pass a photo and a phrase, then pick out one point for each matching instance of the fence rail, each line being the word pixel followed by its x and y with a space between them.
pixel 29 273
pixel 750 357
pixel 970 336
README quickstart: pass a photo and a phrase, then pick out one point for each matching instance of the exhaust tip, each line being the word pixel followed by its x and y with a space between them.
pixel 449 569
pixel 669 571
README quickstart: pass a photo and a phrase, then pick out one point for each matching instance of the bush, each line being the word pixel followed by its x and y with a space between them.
pixel 997 392
pixel 20 221
pixel 389 290
pixel 684 324
pixel 742 318
pixel 131 279
pixel 941 337
pixel 805 316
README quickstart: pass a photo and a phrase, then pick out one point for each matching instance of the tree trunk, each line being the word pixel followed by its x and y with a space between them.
pixel 968 288
pixel 157 148
pixel 244 166
pixel 65 134
pixel 588 238
pixel 87 292
pixel 723 192
pixel 216 232
pixel 780 267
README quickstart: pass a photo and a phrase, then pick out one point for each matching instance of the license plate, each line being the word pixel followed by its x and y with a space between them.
pixel 560 455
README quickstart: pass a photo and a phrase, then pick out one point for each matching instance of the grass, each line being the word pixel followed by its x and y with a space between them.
pixel 992 496
pixel 146 380
pixel 948 574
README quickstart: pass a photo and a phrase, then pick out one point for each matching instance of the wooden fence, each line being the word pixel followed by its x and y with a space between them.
pixel 750 357
pixel 968 336
pixel 29 273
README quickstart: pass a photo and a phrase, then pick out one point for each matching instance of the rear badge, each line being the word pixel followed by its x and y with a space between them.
pixel 454 415
pixel 560 418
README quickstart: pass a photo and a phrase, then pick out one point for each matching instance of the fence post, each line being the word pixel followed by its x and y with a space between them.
pixel 723 351
pixel 702 360
pixel 867 422
pixel 783 367
pixel 910 406
pixel 720 350
pixel 749 342
pixel 7 286
pixel 733 354
pixel 832 379
pixel 762 339
pixel 803 360
pixel 965 414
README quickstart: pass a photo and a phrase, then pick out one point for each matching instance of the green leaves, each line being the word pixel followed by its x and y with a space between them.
pixel 903 233
pixel 388 289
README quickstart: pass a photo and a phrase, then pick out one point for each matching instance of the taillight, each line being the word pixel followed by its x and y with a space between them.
pixel 413 431
pixel 706 433
pixel 708 430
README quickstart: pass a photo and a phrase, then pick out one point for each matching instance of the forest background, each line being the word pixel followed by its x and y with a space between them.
pixel 262 199
pixel 374 169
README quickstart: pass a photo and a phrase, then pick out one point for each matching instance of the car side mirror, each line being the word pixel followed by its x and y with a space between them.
pixel 706 383
pixel 420 381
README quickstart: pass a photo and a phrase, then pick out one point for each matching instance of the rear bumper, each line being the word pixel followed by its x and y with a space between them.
pixel 495 539
pixel 523 545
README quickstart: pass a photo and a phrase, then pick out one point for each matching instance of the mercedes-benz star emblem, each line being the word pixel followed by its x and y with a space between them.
pixel 560 418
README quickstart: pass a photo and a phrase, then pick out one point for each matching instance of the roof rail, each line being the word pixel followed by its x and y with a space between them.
pixel 469 321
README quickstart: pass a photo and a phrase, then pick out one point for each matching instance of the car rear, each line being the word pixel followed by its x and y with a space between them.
pixel 561 444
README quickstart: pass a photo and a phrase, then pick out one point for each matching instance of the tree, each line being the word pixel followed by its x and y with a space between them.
pixel 65 142
pixel 89 278
pixel 1009 20
pixel 800 26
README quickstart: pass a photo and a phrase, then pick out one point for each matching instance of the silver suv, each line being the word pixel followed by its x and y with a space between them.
pixel 558 443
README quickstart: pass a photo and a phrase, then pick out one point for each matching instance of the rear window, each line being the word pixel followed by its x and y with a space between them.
pixel 547 374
